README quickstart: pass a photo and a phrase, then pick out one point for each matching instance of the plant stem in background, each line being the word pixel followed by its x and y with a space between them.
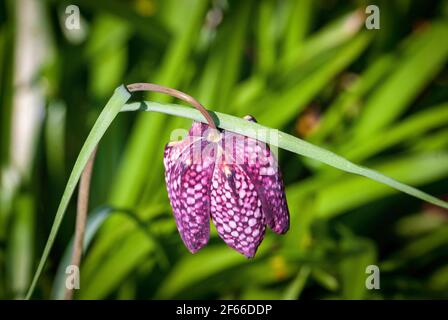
pixel 287 142
pixel 238 125
pixel 86 177
pixel 110 111
pixel 81 216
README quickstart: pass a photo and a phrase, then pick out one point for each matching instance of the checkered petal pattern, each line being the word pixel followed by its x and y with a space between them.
pixel 231 178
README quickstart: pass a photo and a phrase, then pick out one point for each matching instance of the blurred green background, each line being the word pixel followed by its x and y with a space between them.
pixel 310 68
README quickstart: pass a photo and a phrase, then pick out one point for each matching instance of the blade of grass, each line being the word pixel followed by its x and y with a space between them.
pixel 145 137
pixel 298 25
pixel 418 248
pixel 414 126
pixel 207 262
pixel 332 186
pixel 439 279
pixel 312 50
pixel 110 111
pixel 437 141
pixel 265 36
pixel 325 279
pixel 231 58
pixel 298 284
pixel 127 254
pixel 94 221
pixel 334 115
pixel 287 142
pixel 21 249
pixel 353 268
pixel 416 169
pixel 140 243
pixel 54 140
pixel 332 35
pixel 107 54
pixel 413 72
pixel 148 28
pixel 295 98
pixel 102 250
pixel 238 125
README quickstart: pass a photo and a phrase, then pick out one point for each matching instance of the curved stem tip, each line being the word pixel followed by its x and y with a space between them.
pixel 83 193
pixel 174 93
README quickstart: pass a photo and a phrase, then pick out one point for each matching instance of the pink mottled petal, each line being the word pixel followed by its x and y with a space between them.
pixel 188 185
pixel 204 151
pixel 236 209
pixel 198 129
pixel 262 167
pixel 269 182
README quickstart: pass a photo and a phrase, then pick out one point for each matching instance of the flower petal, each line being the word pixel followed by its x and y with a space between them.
pixel 198 129
pixel 188 184
pixel 262 167
pixel 236 209
pixel 268 179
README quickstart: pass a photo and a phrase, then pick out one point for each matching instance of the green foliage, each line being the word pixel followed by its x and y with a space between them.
pixel 307 68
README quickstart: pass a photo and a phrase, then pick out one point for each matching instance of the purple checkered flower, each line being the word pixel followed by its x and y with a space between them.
pixel 231 178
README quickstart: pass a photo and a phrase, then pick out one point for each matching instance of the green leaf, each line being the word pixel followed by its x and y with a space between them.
pixel 411 127
pixel 332 198
pixel 331 35
pixel 94 222
pixel 238 125
pixel 265 36
pixel 110 111
pixel 353 268
pixel 413 72
pixel 145 139
pixel 192 269
pixel 299 18
pixel 137 244
pixel 298 284
pixel 336 113
pixel 21 249
pixel 418 249
pixel 294 99
pixel 287 142
pixel 128 253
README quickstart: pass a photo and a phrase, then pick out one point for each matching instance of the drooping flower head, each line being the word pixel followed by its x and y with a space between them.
pixel 231 178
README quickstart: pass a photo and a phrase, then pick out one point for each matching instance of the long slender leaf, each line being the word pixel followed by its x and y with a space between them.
pixel 287 142
pixel 293 100
pixel 110 111
pixel 405 84
pixel 94 222
pixel 241 126
pixel 413 126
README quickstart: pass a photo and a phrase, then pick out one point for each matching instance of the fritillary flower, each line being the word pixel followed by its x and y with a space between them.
pixel 231 178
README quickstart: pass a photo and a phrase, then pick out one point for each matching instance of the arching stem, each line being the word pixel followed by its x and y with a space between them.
pixel 174 93
pixel 84 185
pixel 81 216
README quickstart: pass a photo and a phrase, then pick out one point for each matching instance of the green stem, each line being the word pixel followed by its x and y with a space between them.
pixel 110 111
pixel 287 142
pixel 84 165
